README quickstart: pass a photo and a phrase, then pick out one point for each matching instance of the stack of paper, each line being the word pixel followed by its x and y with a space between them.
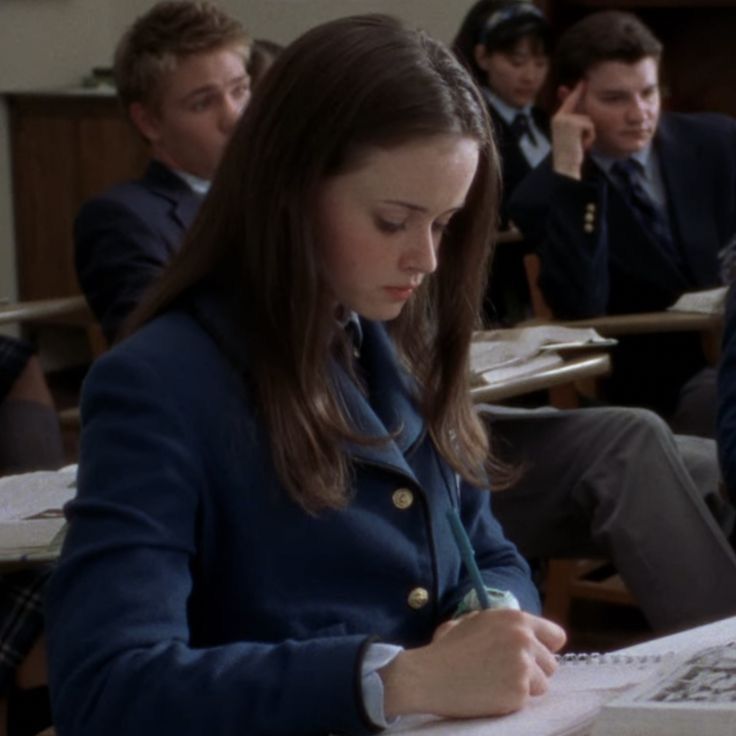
pixel 31 514
pixel 502 354
pixel 710 301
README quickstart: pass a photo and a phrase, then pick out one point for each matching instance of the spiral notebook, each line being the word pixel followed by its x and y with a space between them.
pixel 588 691
pixel 578 690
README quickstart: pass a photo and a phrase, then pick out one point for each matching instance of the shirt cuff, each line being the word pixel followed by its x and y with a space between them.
pixel 376 656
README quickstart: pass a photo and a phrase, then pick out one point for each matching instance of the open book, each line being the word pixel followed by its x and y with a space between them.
pixel 695 695
pixel 500 354
pixel 31 517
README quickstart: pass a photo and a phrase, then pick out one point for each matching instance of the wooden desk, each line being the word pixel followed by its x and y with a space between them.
pixel 512 235
pixel 66 145
pixel 613 325
pixel 584 367
pixel 44 310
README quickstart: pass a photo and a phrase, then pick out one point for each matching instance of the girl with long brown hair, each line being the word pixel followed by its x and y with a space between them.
pixel 260 543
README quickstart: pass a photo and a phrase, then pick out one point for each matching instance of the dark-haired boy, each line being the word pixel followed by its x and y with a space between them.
pixel 631 209
pixel 181 77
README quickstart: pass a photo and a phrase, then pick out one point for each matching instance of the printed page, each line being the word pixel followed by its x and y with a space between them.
pixel 697 694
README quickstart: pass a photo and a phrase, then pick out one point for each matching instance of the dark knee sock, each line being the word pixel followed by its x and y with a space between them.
pixel 30 437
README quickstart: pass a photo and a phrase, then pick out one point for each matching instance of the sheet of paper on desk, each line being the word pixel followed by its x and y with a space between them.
pixel 497 348
pixel 576 694
pixel 709 301
pixel 31 516
pixel 517 369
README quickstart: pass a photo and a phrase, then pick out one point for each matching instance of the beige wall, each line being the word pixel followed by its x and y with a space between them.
pixel 54 43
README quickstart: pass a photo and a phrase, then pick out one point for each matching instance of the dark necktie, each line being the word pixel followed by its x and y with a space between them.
pixel 520 127
pixel 629 173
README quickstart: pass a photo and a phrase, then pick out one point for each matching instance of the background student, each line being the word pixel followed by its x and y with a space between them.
pixel 562 504
pixel 30 439
pixel 180 74
pixel 727 397
pixel 631 209
pixel 506 46
pixel 263 486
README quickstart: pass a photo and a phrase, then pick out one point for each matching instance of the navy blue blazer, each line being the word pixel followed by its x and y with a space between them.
pixel 125 237
pixel 193 596
pixel 597 259
pixel 727 397
pixel 595 256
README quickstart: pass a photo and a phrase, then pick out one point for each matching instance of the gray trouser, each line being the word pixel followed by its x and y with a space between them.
pixel 616 481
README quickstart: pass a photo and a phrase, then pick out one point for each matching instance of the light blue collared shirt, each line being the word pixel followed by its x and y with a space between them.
pixel 535 152
pixel 196 183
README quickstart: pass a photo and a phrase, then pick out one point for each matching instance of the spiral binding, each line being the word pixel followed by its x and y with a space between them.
pixel 612 658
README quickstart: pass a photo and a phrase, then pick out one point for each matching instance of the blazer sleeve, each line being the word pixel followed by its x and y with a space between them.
pixel 565 221
pixel 500 563
pixel 120 656
pixel 118 255
pixel 727 398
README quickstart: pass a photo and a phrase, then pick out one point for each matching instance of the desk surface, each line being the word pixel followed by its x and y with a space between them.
pixel 587 366
pixel 42 309
pixel 612 325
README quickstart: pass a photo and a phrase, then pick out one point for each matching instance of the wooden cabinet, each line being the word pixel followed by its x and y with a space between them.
pixel 698 37
pixel 65 147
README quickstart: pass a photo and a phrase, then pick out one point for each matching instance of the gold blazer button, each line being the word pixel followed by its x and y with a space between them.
pixel 418 598
pixel 402 498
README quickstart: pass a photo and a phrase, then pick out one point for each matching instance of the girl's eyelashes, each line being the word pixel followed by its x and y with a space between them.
pixel 388 226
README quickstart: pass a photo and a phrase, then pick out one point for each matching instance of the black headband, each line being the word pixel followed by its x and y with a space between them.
pixel 511 12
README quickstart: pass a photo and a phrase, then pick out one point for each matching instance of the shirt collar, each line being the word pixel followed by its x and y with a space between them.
pixel 506 111
pixel 350 322
pixel 196 183
pixel 606 162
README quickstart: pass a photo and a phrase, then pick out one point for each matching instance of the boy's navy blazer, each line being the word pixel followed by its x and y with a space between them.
pixel 125 237
pixel 595 256
pixel 191 590
pixel 727 397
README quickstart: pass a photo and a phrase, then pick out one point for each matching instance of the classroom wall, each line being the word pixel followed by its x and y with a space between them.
pixel 54 43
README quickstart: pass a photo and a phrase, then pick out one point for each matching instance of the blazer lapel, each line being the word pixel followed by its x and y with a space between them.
pixel 165 183
pixel 387 409
pixel 688 197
